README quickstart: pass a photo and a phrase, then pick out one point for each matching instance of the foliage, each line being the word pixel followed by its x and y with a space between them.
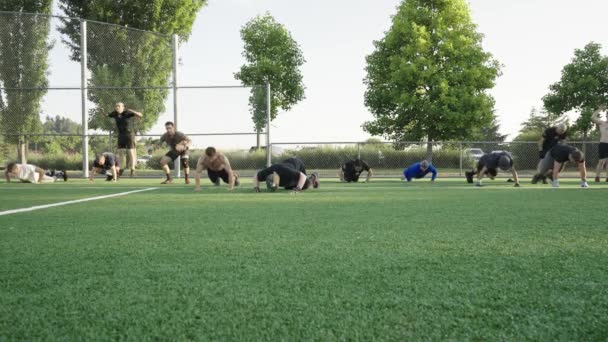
pixel 428 76
pixel 122 57
pixel 272 56
pixel 24 48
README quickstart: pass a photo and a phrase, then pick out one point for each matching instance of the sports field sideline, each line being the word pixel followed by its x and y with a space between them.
pixel 382 260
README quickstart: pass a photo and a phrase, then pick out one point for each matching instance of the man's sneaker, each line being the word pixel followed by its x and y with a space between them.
pixel 109 178
pixel 187 180
pixel 536 178
pixel 544 179
pixel 167 181
pixel 65 175
pixel 597 179
pixel 132 173
pixel 469 176
pixel 120 172
pixel 550 176
pixel 607 180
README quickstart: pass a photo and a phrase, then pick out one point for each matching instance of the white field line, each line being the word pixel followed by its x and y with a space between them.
pixel 38 207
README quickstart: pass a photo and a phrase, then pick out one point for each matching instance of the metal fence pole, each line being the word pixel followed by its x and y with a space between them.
pixel 268 117
pixel 174 50
pixel 460 153
pixel 83 98
pixel 358 150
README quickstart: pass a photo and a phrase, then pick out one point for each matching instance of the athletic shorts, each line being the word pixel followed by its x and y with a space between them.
pixel 214 176
pixel 603 151
pixel 126 141
pixel 173 154
pixel 351 178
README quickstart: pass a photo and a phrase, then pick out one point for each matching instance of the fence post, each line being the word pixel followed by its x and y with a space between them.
pixel 174 50
pixel 22 149
pixel 83 98
pixel 460 152
pixel 110 146
pixel 358 150
pixel 268 117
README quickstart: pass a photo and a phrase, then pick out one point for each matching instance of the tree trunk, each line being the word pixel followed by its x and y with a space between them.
pixel 21 151
pixel 429 151
pixel 257 140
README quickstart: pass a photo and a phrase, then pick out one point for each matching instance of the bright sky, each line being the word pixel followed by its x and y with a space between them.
pixel 534 39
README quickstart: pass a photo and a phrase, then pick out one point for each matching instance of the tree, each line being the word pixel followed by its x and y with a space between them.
pixel 582 87
pixel 537 122
pixel 489 132
pixel 24 47
pixel 428 76
pixel 121 57
pixel 272 56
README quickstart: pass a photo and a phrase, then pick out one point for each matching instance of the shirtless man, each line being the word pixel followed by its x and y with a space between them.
pixel 603 149
pixel 218 168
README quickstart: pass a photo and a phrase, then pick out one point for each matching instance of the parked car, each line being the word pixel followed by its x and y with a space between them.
pixel 473 153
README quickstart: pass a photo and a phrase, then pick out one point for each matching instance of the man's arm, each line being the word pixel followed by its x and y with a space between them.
pixel 407 175
pixel 515 176
pixel 114 173
pixel 7 175
pixel 434 172
pixel 92 173
pixel 256 182
pixel 40 173
pixel 136 113
pixel 231 178
pixel 301 181
pixel 480 174
pixel 370 173
pixel 341 174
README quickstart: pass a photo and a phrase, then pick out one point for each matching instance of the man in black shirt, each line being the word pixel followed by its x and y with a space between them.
pixel 489 164
pixel 179 144
pixel 551 137
pixel 106 163
pixel 297 164
pixel 286 176
pixel 555 160
pixel 126 132
pixel 352 169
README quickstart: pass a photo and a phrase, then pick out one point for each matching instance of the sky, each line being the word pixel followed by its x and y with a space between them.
pixel 533 39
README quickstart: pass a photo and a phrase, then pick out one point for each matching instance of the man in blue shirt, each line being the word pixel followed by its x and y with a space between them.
pixel 419 170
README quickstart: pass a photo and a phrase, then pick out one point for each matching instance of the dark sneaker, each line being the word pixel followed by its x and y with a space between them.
pixel 65 175
pixel 187 180
pixel 167 181
pixel 510 180
pixel 597 179
pixel 109 178
pixel 544 179
pixel 469 176
pixel 550 176
pixel 120 172
pixel 535 179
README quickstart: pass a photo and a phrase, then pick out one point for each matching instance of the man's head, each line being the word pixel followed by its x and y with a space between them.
pixel 119 107
pixel 210 152
pixel 99 161
pixel 272 181
pixel 504 163
pixel 170 127
pixel 12 168
pixel 561 128
pixel 577 156
pixel 424 165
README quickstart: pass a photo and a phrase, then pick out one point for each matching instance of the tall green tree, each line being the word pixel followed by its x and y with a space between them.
pixel 534 126
pixel 24 48
pixel 121 57
pixel 489 132
pixel 272 56
pixel 582 87
pixel 429 75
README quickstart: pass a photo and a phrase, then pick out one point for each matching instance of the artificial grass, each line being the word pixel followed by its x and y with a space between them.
pixel 377 261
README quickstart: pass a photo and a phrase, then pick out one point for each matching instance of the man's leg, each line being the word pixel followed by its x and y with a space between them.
pixel 164 163
pixel 121 155
pixel 544 167
pixel 184 161
pixel 132 160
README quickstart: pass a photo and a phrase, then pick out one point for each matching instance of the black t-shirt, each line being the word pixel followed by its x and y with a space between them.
pixel 490 161
pixel 173 140
pixel 110 160
pixel 551 138
pixel 561 153
pixel 289 176
pixel 124 122
pixel 297 164
pixel 353 168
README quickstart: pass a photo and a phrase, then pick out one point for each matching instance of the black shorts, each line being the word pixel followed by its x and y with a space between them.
pixel 351 177
pixel 126 141
pixel 173 154
pixel 603 151
pixel 215 175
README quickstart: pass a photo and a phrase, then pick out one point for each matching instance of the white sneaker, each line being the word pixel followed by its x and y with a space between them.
pixel 584 184
pixel 555 183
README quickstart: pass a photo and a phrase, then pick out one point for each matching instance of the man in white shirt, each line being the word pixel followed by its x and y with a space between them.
pixel 28 173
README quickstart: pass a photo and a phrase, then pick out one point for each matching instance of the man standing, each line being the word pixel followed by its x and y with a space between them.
pixel 284 175
pixel 603 148
pixel 555 161
pixel 352 169
pixel 420 170
pixel 179 144
pixel 551 137
pixel 218 167
pixel 28 173
pixel 489 164
pixel 126 133
pixel 106 163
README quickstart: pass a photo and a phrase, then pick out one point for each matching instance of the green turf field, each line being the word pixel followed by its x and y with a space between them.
pixel 377 261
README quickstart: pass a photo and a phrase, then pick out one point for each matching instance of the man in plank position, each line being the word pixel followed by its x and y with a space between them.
pixel 286 176
pixel 351 170
pixel 218 168
pixel 419 171
pixel 107 164
pixel 489 164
